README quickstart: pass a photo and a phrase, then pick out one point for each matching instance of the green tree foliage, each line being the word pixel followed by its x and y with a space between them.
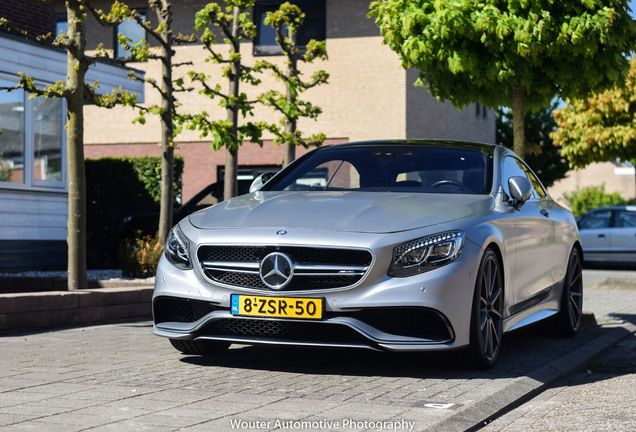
pixel 600 128
pixel 77 92
pixel 544 158
pixel 513 53
pixel 590 197
pixel 235 24
pixel 286 21
pixel 164 39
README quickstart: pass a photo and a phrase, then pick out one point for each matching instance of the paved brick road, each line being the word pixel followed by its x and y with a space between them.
pixel 599 398
pixel 121 377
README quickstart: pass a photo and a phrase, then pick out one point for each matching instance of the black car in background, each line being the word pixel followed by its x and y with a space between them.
pixel 148 222
pixel 130 220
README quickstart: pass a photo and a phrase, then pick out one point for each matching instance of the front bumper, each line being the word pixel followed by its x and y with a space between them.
pixel 374 328
pixel 430 311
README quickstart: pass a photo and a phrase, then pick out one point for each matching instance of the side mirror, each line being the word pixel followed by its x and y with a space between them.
pixel 520 189
pixel 260 181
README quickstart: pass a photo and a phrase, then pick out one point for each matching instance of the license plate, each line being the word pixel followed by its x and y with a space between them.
pixel 280 307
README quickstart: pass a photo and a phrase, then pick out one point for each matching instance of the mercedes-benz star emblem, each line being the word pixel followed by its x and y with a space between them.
pixel 276 270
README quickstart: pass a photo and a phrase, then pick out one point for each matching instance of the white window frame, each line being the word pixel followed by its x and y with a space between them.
pixel 30 183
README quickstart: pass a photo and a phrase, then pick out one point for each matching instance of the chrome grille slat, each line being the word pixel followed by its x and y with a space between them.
pixel 329 269
pixel 235 266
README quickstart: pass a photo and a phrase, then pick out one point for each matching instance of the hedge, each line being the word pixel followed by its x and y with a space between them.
pixel 117 186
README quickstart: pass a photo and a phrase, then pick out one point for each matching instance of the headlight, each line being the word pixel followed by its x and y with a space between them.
pixel 426 253
pixel 177 249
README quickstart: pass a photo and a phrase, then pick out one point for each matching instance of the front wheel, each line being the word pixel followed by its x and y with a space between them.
pixel 486 323
pixel 199 347
pixel 568 320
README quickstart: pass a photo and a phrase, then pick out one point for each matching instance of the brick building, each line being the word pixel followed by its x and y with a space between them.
pixel 369 95
pixel 25 16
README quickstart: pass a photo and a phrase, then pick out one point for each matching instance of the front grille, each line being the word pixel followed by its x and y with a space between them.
pixel 304 254
pixel 173 309
pixel 315 268
pixel 284 331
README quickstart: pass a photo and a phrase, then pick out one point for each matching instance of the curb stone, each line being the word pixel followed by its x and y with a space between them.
pixel 525 388
pixel 21 312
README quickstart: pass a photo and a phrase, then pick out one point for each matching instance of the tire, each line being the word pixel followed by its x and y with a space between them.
pixel 568 320
pixel 199 347
pixel 486 322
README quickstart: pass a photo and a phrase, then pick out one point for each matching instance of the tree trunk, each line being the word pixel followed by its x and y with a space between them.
pixel 76 70
pixel 291 124
pixel 518 119
pixel 231 152
pixel 167 133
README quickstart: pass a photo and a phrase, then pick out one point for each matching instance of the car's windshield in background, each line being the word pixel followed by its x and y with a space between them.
pixel 392 168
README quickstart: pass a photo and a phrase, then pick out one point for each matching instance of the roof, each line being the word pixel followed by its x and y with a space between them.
pixel 421 142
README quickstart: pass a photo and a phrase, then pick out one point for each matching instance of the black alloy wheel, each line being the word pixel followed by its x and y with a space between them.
pixel 486 328
pixel 569 317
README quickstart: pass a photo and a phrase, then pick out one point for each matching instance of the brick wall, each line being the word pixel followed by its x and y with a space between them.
pixel 369 96
pixel 34 18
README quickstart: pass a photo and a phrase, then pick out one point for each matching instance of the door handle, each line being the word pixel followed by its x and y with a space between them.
pixel 601 236
pixel 545 212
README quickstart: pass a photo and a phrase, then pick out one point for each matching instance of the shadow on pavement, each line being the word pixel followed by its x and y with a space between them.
pixel 522 353
pixel 355 362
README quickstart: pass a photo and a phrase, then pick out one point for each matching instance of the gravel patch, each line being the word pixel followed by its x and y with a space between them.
pixel 101 275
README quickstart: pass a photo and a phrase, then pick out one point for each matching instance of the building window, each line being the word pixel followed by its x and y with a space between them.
pixel 481 111
pixel 47 140
pixel 11 135
pixel 31 140
pixel 61 24
pixel 314 26
pixel 131 29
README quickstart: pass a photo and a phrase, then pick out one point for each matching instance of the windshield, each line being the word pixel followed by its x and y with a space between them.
pixel 391 168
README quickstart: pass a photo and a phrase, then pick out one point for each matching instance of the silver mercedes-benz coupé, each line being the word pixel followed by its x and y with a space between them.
pixel 386 245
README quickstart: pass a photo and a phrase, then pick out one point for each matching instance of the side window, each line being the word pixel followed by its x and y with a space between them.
pixel 626 219
pixel 314 26
pixel 536 184
pixel 512 168
pixel 332 175
pixel 596 220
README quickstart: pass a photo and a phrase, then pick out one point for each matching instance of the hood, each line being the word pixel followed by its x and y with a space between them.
pixel 365 212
